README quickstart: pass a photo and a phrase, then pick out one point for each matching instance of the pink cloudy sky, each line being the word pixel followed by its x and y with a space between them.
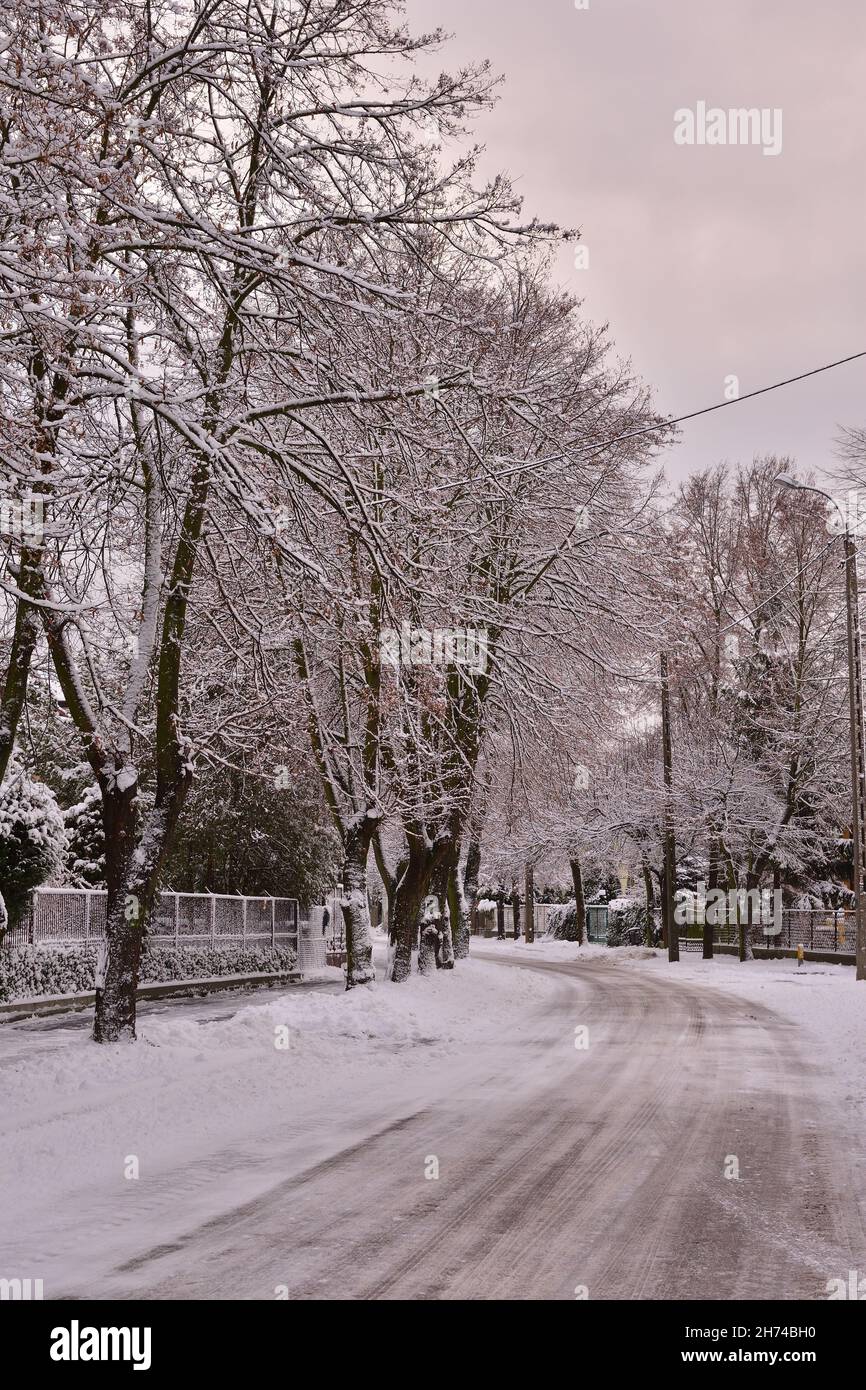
pixel 706 261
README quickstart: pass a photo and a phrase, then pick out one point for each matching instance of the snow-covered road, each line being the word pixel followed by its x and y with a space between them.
pixel 561 1169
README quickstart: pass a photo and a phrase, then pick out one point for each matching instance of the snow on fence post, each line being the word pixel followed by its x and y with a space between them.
pixel 273 922
pixel 87 914
pixel 244 919
pixel 176 920
pixel 213 922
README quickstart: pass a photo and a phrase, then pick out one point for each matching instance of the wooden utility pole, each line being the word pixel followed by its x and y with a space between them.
pixel 670 843
pixel 529 895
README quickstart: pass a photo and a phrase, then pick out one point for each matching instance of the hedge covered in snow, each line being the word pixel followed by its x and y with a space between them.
pixel 29 971
pixel 32 839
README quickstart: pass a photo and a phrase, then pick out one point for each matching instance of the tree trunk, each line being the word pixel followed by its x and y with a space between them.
pixel 746 952
pixel 515 910
pixel 464 904
pixel 743 943
pixel 650 901
pixel 24 637
pixel 579 900
pixel 500 916
pixel 409 893
pixel 127 909
pixel 448 925
pixel 133 861
pixel 424 859
pixel 354 902
pixel 389 880
pixel 712 884
pixel 428 948
pixel 741 933
pixel 670 850
pixel 529 899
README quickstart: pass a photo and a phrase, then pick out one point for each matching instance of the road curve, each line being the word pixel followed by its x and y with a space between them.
pixel 563 1172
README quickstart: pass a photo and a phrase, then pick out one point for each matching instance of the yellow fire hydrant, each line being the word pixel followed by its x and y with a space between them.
pixel 801 956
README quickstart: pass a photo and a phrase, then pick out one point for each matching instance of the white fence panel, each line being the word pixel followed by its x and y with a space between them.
pixel 63 915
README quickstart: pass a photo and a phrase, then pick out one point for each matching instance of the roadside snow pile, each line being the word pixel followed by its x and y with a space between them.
pixel 450 1007
pixel 545 948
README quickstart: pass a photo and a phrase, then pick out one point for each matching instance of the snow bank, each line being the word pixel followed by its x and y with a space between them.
pixel 544 948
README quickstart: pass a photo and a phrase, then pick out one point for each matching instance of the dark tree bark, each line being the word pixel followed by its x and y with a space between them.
pixel 355 903
pixel 649 890
pixel 712 884
pixel 413 884
pixel 529 900
pixel 447 923
pixel 579 901
pixel 670 850
pixel 125 914
pixel 24 638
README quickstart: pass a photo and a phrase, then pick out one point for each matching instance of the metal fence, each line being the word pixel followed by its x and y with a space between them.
pixel 58 915
pixel 485 919
pixel 818 929
pixel 312 947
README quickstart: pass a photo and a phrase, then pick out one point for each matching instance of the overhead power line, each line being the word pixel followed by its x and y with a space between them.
pixel 668 423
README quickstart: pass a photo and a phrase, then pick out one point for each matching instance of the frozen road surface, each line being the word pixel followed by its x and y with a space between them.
pixel 688 1151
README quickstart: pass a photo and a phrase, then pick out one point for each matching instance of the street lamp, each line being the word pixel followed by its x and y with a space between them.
pixel 855 704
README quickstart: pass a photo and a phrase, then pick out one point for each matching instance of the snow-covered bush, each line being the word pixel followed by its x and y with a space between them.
pixel 84 864
pixel 630 924
pixel 29 971
pixel 163 963
pixel 32 839
pixel 562 923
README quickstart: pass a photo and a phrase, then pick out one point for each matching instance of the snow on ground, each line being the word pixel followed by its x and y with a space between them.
pixel 194 1088
pixel 564 951
pixel 217 1113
